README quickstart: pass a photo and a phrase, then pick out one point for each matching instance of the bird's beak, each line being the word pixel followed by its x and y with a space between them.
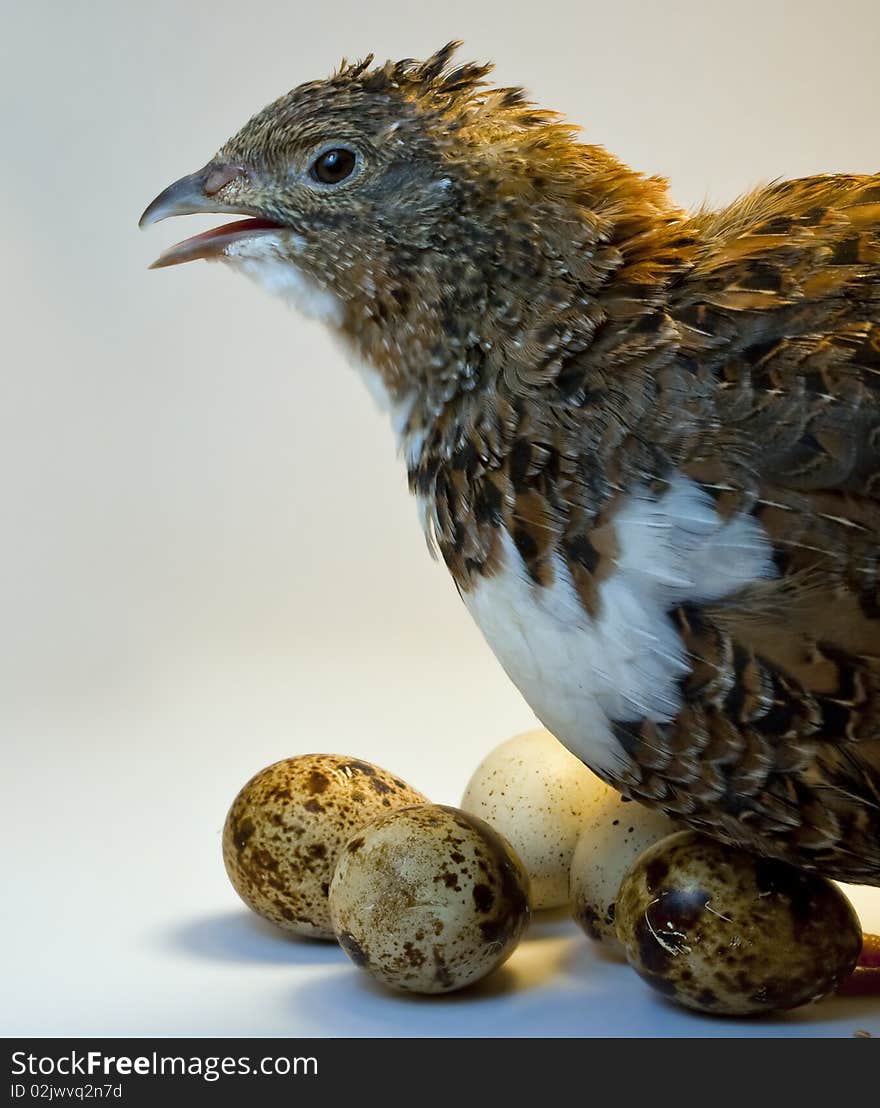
pixel 196 195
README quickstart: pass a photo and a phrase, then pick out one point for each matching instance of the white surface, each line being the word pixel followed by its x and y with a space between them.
pixel 209 558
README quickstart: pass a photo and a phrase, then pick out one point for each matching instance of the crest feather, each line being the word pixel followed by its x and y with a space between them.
pixel 457 91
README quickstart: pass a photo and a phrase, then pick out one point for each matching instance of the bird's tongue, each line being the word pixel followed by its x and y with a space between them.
pixel 213 243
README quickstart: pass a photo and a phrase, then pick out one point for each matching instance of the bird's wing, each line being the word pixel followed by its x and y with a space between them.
pixel 783 308
pixel 781 726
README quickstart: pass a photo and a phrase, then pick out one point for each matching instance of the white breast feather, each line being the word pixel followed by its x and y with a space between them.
pixel 263 259
pixel 578 673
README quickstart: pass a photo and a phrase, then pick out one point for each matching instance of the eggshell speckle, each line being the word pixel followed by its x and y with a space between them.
pixel 536 794
pixel 428 899
pixel 615 832
pixel 286 827
pixel 722 931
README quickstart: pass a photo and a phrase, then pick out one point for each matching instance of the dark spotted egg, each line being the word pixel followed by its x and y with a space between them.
pixel 429 899
pixel 286 827
pixel 722 931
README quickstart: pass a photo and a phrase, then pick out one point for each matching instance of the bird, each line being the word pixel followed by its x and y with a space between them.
pixel 644 440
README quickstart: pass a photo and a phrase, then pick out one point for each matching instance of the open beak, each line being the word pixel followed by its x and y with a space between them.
pixel 196 195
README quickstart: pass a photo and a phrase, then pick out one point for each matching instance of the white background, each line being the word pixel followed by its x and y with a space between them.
pixel 209 560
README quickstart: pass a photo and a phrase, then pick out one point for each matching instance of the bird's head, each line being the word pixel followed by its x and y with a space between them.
pixel 340 177
pixel 425 215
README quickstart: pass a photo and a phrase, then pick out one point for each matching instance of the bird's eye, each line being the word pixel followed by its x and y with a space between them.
pixel 333 166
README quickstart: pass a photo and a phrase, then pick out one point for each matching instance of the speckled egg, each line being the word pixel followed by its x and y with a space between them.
pixel 615 832
pixel 537 795
pixel 722 931
pixel 428 899
pixel 286 827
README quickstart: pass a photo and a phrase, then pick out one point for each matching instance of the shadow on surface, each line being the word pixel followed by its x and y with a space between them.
pixel 560 987
pixel 513 1000
pixel 556 984
pixel 243 937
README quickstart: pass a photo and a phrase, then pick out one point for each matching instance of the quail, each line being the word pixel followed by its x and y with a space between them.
pixel 644 441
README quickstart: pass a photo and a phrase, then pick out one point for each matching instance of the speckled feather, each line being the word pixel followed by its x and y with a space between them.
pixel 559 341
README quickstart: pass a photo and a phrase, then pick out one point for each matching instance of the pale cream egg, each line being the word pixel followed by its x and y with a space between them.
pixel 538 795
pixel 614 833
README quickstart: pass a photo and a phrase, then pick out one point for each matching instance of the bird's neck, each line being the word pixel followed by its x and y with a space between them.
pixel 518 307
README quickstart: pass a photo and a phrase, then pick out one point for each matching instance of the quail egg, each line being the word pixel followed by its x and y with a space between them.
pixel 615 832
pixel 722 931
pixel 428 899
pixel 286 827
pixel 537 795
